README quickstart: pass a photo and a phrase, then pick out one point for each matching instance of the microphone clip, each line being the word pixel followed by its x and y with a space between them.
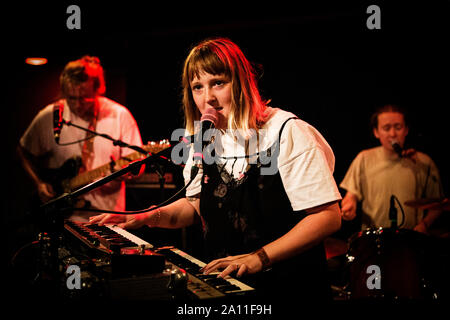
pixel 58 110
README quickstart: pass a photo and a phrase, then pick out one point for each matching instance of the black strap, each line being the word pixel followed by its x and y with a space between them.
pixel 257 153
pixel 282 127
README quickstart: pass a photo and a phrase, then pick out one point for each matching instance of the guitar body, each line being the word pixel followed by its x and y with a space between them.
pixel 58 177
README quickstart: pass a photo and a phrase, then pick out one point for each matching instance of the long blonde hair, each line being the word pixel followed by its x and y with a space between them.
pixel 222 56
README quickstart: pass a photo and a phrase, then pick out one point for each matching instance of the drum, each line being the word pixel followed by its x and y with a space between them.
pixel 388 264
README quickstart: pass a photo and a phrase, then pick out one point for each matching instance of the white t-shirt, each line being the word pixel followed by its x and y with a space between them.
pixel 375 175
pixel 305 161
pixel 113 119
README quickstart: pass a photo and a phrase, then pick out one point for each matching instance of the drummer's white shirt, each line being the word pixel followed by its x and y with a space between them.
pixel 305 161
pixel 375 175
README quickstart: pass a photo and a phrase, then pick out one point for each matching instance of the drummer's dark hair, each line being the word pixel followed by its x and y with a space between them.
pixel 388 108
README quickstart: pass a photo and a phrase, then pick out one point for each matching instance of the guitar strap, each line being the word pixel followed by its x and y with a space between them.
pixel 87 152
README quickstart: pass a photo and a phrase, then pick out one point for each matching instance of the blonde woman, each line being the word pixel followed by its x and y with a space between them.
pixel 265 226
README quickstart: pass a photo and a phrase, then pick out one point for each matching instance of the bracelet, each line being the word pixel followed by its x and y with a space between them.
pixel 157 217
pixel 262 255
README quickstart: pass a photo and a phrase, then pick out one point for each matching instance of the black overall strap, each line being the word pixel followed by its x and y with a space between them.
pixel 275 145
pixel 283 125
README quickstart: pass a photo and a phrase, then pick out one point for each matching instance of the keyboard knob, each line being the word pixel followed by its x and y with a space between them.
pixel 178 280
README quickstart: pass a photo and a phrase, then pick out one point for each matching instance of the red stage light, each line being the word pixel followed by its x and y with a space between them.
pixel 36 61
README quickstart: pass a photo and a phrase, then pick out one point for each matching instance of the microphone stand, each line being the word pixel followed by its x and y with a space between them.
pixel 70 196
pixel 54 212
pixel 67 198
pixel 119 143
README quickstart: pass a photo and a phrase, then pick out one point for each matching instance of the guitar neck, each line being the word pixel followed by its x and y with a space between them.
pixel 89 176
pixel 92 175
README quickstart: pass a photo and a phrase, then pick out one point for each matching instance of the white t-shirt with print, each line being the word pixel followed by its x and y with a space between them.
pixel 305 161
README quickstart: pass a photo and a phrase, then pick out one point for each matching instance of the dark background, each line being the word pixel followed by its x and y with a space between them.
pixel 320 61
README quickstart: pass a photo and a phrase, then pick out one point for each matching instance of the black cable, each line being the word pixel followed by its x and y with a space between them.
pixel 143 210
pixel 403 212
pixel 14 257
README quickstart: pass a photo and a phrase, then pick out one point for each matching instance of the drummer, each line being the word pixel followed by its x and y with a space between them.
pixel 379 173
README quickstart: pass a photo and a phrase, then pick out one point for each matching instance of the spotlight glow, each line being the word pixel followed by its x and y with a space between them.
pixel 36 61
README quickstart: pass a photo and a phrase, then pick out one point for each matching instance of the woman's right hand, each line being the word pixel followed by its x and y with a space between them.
pixel 125 221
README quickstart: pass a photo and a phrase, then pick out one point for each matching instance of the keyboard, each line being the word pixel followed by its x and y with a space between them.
pixel 205 286
pixel 122 253
pixel 118 243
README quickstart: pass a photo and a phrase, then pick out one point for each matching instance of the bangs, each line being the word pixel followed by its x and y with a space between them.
pixel 204 60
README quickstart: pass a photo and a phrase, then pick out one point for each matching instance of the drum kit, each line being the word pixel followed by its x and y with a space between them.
pixel 391 264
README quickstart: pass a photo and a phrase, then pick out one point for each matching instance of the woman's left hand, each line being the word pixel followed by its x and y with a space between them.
pixel 241 264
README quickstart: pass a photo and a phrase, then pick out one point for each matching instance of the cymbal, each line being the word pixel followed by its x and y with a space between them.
pixel 429 204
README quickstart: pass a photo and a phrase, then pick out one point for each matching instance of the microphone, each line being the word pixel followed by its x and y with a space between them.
pixel 207 121
pixel 57 121
pixel 397 148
